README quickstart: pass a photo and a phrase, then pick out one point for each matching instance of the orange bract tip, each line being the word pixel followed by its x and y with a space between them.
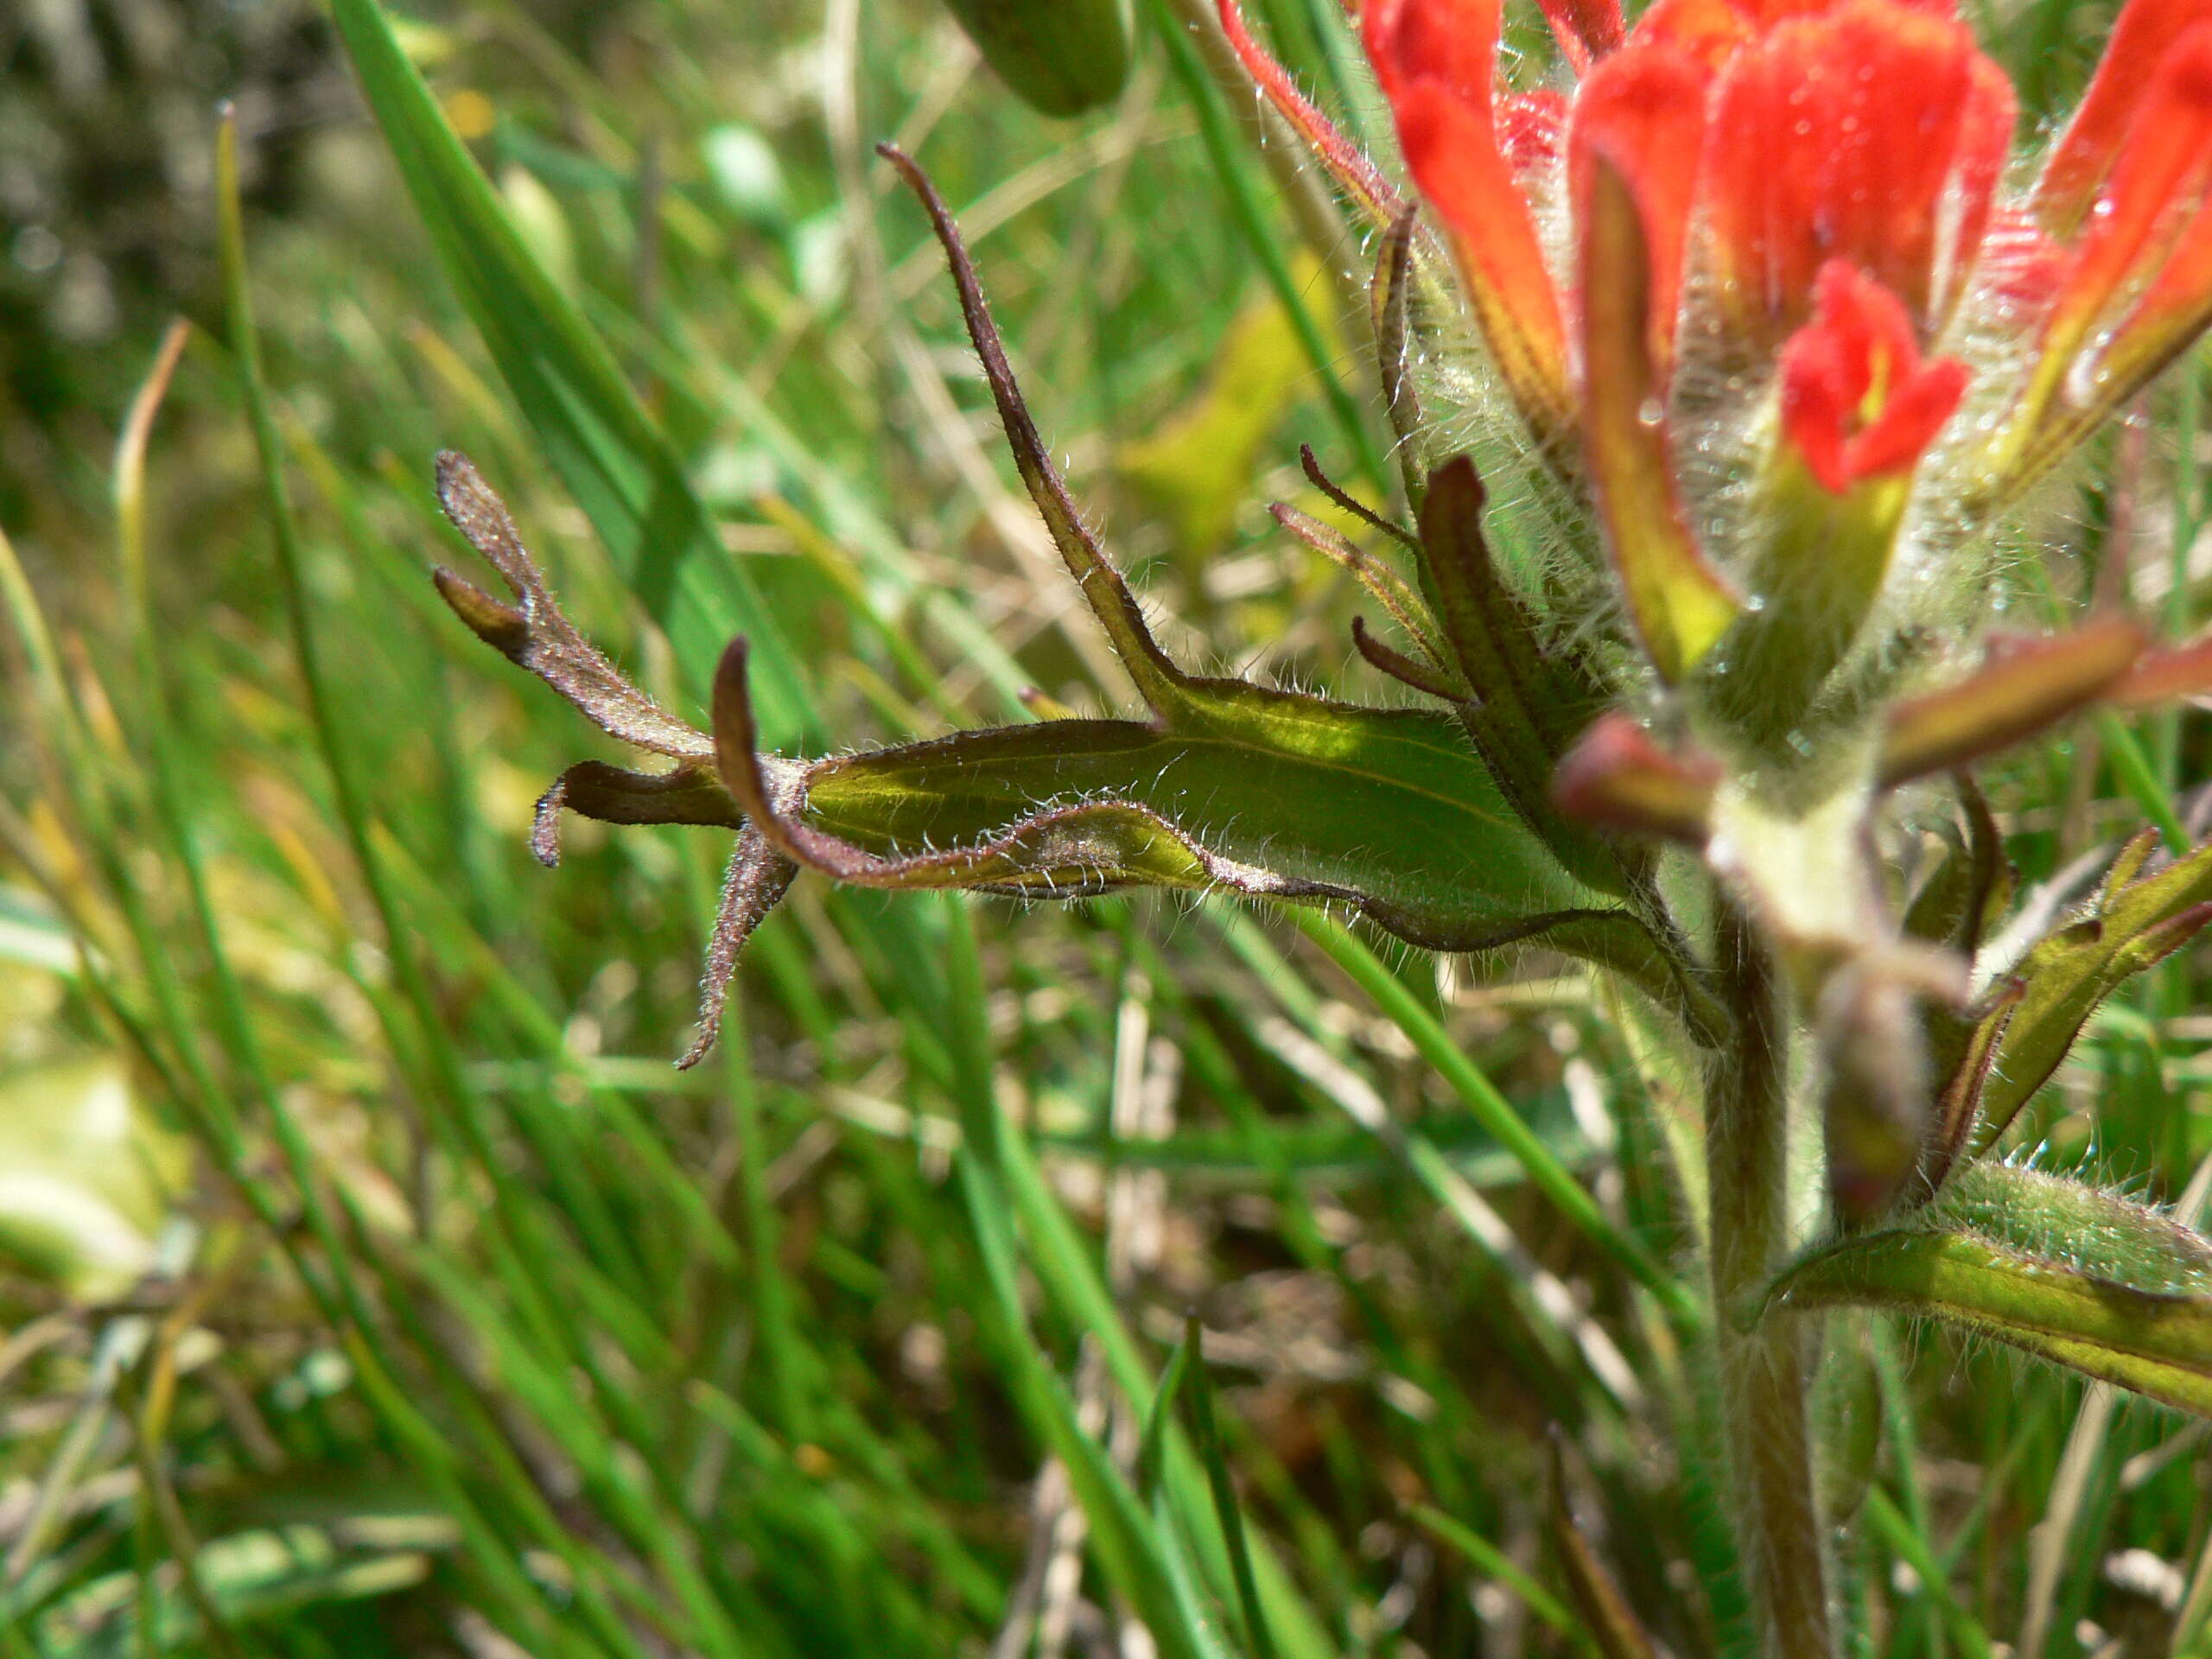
pixel 1586 30
pixel 2149 206
pixel 2085 154
pixel 1679 603
pixel 1451 41
pixel 1453 150
pixel 1645 108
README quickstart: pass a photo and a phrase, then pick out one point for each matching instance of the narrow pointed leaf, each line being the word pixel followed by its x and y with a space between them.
pixel 1614 1631
pixel 1108 596
pixel 2023 687
pixel 688 794
pixel 1390 313
pixel 754 884
pixel 1388 590
pixel 535 634
pixel 2162 677
pixel 2074 1275
pixel 1532 705
pixel 2131 925
pixel 1957 1107
pixel 1422 677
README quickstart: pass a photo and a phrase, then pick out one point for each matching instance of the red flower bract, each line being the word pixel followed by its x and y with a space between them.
pixel 1822 228
pixel 1871 133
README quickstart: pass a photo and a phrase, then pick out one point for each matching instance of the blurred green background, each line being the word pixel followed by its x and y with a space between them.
pixel 370 1284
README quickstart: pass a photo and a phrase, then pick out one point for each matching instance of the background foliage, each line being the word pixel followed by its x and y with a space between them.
pixel 374 1285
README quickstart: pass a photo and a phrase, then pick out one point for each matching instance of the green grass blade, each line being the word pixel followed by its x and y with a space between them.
pixel 1491 1108
pixel 622 469
pixel 1257 1634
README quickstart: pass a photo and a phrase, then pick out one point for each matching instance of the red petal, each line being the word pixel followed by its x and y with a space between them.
pixel 1846 136
pixel 1710 30
pixel 1586 30
pixel 1877 320
pixel 1816 405
pixel 1765 15
pixel 1872 333
pixel 1860 347
pixel 1916 411
pixel 1984 150
pixel 1454 42
pixel 1646 105
pixel 1532 128
pixel 2085 154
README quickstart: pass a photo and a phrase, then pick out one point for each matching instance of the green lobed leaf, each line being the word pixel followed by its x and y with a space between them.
pixel 619 465
pixel 1267 792
pixel 1228 784
pixel 2077 1276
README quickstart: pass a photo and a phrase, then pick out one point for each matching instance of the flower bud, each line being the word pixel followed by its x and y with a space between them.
pixel 1061 57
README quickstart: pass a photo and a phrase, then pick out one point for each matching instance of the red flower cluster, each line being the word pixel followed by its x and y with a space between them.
pixel 1807 198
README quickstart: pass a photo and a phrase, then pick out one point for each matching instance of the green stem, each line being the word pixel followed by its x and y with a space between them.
pixel 1763 1370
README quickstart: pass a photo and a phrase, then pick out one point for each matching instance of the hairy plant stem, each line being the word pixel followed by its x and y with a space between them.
pixel 1764 1369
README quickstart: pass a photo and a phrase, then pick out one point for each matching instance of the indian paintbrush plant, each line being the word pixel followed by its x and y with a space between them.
pixel 1771 340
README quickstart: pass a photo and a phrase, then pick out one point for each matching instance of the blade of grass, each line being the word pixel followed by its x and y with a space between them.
pixel 1487 1558
pixel 622 469
pixel 1258 1636
pixel 1152 1444
pixel 1265 242
pixel 1489 1107
pixel 1898 1529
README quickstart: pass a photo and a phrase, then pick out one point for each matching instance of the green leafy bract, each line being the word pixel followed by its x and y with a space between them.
pixel 2077 1276
pixel 1233 785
